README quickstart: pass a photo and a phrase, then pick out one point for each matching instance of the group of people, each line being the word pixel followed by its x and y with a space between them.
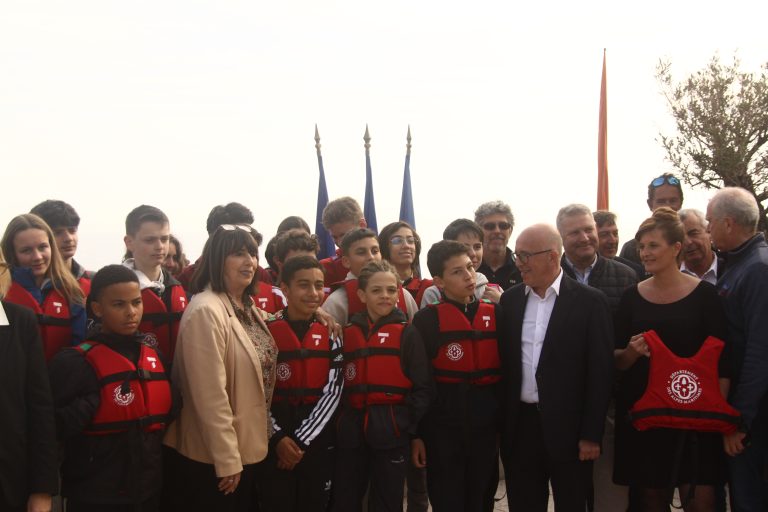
pixel 161 385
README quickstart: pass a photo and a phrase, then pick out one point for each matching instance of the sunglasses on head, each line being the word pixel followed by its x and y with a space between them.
pixel 398 240
pixel 241 227
pixel 503 226
pixel 661 180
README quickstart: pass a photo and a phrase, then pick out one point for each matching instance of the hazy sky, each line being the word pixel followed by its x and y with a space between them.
pixel 184 105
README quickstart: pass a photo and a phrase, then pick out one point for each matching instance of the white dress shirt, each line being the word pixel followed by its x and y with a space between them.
pixel 582 277
pixel 709 276
pixel 535 321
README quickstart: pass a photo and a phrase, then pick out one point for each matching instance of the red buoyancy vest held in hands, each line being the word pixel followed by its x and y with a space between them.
pixel 683 392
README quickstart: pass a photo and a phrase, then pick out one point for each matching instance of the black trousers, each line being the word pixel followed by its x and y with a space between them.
pixel 150 505
pixel 529 469
pixel 460 465
pixel 305 488
pixel 358 467
pixel 416 489
pixel 192 486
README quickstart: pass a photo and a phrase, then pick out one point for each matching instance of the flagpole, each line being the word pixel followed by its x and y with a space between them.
pixel 323 237
pixel 602 145
pixel 407 213
pixel 369 209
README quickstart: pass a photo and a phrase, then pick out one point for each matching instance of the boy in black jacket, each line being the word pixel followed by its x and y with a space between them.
pixel 458 434
pixel 386 392
pixel 113 400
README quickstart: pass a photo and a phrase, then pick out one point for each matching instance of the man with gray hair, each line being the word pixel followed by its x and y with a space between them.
pixel 581 260
pixel 733 215
pixel 699 260
pixel 497 221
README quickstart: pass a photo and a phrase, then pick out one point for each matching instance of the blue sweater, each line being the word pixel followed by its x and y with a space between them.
pixel 744 290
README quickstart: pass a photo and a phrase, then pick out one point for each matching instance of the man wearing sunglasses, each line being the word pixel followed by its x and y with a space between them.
pixel 497 221
pixel 665 190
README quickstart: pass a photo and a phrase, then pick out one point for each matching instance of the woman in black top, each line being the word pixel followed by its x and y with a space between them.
pixel 684 312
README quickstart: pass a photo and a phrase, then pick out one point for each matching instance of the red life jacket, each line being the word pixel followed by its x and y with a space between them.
pixel 417 286
pixel 467 352
pixel 53 317
pixel 159 320
pixel 267 299
pixel 335 271
pixel 85 285
pixel 355 305
pixel 683 392
pixel 130 396
pixel 302 366
pixel 372 371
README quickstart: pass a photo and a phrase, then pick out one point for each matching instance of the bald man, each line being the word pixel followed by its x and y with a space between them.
pixel 558 367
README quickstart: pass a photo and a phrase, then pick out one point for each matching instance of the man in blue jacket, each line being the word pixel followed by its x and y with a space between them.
pixel 733 215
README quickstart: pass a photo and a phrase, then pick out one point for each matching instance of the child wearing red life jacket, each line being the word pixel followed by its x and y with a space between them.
pixel 113 401
pixel 401 246
pixel 42 282
pixel 298 472
pixel 386 392
pixel 360 246
pixel 147 240
pixel 457 437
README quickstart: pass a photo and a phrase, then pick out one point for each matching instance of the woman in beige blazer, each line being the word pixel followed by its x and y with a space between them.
pixel 225 367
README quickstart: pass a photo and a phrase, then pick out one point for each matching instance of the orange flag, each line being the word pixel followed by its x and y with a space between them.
pixel 602 147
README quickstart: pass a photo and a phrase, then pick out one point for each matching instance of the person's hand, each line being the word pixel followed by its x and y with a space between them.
pixel 639 346
pixel 418 453
pixel 335 329
pixel 39 502
pixel 492 294
pixel 228 484
pixel 588 450
pixel 288 453
pixel 733 443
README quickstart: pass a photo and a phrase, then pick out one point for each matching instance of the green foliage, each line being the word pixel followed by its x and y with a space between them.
pixel 721 115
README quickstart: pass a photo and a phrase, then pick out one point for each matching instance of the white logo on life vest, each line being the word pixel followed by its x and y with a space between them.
pixel 123 399
pixel 350 371
pixel 317 339
pixel 183 302
pixel 383 337
pixel 263 302
pixel 58 305
pixel 152 361
pixel 454 352
pixel 283 371
pixel 487 320
pixel 683 387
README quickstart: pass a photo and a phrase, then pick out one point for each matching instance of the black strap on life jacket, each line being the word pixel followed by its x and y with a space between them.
pixel 302 353
pixel 53 320
pixel 372 351
pixel 140 423
pixel 451 336
pixel 456 374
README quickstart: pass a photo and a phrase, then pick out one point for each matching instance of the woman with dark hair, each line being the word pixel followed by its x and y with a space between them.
pixel 28 466
pixel 683 312
pixel 224 364
pixel 43 283
pixel 401 246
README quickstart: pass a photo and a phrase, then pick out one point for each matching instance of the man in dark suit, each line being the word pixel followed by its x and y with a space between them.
pixel 557 356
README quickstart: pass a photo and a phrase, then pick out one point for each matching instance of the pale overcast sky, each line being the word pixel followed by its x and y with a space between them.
pixel 184 105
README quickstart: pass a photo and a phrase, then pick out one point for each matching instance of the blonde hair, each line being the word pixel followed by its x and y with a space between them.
pixel 61 278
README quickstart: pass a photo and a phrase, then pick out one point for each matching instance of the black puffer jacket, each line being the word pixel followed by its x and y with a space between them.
pixel 608 276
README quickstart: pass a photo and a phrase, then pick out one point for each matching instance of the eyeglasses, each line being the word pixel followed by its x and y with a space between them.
pixel 242 227
pixel 523 256
pixel 661 180
pixel 503 226
pixel 399 240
